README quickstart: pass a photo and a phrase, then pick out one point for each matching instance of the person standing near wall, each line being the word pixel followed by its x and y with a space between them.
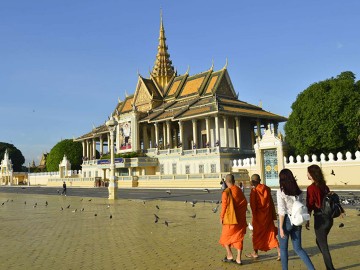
pixel 64 189
pixel 322 223
pixel 233 204
pixel 263 216
pixel 289 192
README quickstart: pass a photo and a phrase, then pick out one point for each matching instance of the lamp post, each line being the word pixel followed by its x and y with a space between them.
pixel 111 124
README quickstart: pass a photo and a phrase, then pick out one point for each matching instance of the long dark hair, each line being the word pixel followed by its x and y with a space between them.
pixel 317 175
pixel 288 183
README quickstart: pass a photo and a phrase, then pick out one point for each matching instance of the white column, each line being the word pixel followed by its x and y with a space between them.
pixel 195 133
pixel 168 133
pixel 207 122
pixel 153 140
pixel 238 134
pixel 108 142
pixel 84 149
pixel 164 135
pixel 217 133
pixel 88 149
pixel 156 135
pixel 93 148
pixel 226 131
pixel 181 133
pixel 101 145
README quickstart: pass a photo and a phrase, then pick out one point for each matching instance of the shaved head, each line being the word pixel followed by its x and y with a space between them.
pixel 230 179
pixel 255 179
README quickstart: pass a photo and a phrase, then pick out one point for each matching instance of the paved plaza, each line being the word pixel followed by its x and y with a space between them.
pixel 36 236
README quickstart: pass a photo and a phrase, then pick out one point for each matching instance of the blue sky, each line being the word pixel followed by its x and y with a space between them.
pixel 63 64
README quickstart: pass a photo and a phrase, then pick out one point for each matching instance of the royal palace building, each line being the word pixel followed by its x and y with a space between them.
pixel 178 125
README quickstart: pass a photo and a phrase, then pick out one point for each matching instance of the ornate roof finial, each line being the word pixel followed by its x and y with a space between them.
pixel 212 64
pixel 163 69
pixel 226 63
pixel 126 94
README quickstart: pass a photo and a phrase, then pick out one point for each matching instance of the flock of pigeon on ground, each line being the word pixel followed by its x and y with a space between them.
pixel 350 200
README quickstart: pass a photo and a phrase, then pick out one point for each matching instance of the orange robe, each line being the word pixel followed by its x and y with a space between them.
pixel 233 235
pixel 263 216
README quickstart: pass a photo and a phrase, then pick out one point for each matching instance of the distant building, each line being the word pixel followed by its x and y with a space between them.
pixel 182 124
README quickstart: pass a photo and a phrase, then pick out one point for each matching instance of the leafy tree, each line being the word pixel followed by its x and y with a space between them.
pixel 72 150
pixel 325 117
pixel 15 155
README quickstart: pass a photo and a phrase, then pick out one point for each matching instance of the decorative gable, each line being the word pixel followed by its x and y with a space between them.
pixel 224 87
pixel 143 98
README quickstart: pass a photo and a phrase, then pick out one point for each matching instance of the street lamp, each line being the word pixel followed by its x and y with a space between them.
pixel 111 124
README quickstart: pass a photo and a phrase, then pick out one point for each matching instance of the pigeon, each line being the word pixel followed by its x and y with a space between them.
pixel 25 202
pixel 157 207
pixel 215 209
pixel 89 200
pixel 332 172
pixel 185 201
pixel 36 203
pixel 217 202
pixel 46 203
pixel 341 225
pixel 3 203
pixel 110 216
pixel 34 206
pixel 81 200
pixel 74 211
pixel 95 215
pixel 193 216
pixel 250 227
pixel 62 208
pixel 108 206
pixel 68 206
pixel 168 192
pixel 193 203
pixel 166 223
pixel 82 209
pixel 156 218
pixel 207 190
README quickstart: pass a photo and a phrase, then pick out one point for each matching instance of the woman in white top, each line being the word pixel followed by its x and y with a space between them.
pixel 288 192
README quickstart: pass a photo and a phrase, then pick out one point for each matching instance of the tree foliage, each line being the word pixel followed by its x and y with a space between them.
pixel 15 155
pixel 72 150
pixel 326 117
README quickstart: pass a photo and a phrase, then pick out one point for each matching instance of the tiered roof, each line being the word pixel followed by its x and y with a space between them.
pixel 168 96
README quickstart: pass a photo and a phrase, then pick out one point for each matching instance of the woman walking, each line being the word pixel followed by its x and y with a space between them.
pixel 289 192
pixel 322 223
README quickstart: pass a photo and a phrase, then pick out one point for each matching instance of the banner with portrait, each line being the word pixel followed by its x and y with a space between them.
pixel 125 135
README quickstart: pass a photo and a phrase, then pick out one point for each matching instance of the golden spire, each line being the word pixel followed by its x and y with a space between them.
pixel 163 69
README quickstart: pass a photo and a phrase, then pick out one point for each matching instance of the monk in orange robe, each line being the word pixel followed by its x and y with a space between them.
pixel 233 234
pixel 263 216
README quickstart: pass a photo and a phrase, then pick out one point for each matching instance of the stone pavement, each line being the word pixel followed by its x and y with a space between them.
pixel 46 237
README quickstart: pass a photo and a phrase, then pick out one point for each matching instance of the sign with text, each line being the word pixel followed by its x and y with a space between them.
pixel 107 161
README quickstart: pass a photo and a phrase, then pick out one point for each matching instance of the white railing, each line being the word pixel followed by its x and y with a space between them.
pixel 69 173
pixel 323 158
pixel 244 163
